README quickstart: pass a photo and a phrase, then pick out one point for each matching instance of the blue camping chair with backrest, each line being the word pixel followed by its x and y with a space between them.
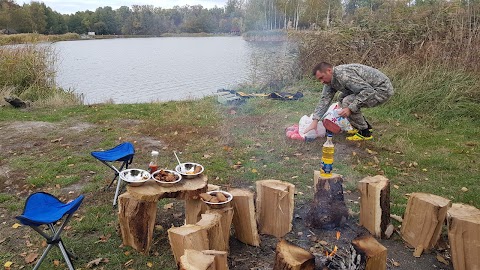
pixel 45 209
pixel 122 153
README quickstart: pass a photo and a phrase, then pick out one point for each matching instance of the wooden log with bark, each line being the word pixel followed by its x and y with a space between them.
pixel 291 257
pixel 244 222
pixel 275 205
pixel 374 253
pixel 423 220
pixel 226 217
pixel 328 209
pixel 464 236
pixel 211 222
pixel 196 260
pixel 203 260
pixel 187 237
pixel 137 221
pixel 375 204
pixel 221 262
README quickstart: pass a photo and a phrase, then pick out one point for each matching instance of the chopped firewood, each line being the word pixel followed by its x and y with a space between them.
pixel 291 257
pixel 226 216
pixel 374 252
pixel 244 221
pixel 464 237
pixel 375 204
pixel 423 219
pixel 187 237
pixel 221 262
pixel 275 203
pixel 212 224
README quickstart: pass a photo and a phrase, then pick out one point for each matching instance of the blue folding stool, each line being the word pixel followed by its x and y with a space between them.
pixel 45 209
pixel 123 153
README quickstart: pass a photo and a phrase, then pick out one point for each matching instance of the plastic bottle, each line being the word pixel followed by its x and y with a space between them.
pixel 327 157
pixel 153 165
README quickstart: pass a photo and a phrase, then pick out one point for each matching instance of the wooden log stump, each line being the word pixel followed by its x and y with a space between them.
pixel 226 217
pixel 464 236
pixel 423 220
pixel 221 262
pixel 194 208
pixel 375 204
pixel 275 207
pixel 187 237
pixel 374 253
pixel 137 221
pixel 328 209
pixel 212 223
pixel 196 260
pixel 291 257
pixel 244 221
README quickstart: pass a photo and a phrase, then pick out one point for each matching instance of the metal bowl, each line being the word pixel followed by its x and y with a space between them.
pixel 219 204
pixel 134 177
pixel 167 183
pixel 187 169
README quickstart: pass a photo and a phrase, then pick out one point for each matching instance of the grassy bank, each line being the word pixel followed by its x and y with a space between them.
pixel 35 38
pixel 419 147
pixel 27 71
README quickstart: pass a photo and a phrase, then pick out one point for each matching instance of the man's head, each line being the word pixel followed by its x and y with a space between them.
pixel 323 72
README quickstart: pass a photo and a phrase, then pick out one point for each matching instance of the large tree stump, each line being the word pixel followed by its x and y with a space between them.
pixel 423 220
pixel 374 253
pixel 244 221
pixel 187 237
pixel 328 209
pixel 275 207
pixel 375 204
pixel 194 206
pixel 291 257
pixel 464 236
pixel 196 260
pixel 226 217
pixel 216 238
pixel 137 221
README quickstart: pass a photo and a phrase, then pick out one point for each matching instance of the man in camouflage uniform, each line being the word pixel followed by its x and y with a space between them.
pixel 359 85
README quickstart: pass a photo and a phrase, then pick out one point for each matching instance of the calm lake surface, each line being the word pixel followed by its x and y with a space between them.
pixel 162 69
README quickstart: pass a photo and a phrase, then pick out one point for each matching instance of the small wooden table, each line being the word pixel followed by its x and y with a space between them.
pixel 137 208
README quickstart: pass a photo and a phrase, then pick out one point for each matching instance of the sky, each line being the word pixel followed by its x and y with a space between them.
pixel 72 6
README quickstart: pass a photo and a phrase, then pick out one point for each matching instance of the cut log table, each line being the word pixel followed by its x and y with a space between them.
pixel 464 236
pixel 138 208
pixel 423 220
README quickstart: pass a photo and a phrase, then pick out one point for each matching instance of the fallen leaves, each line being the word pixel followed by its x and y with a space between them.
pixel 16 226
pixel 57 140
pixel 8 264
pixel 441 259
pixel 31 258
pixel 464 189
pixel 97 261
pixel 168 206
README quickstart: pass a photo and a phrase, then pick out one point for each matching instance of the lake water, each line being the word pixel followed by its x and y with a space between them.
pixel 162 69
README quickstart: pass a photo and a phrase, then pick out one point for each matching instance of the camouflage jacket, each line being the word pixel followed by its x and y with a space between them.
pixel 362 81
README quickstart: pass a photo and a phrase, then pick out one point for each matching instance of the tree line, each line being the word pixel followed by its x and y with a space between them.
pixel 236 16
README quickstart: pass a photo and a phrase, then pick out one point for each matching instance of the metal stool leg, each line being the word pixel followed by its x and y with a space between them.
pixel 119 183
pixel 45 252
pixel 65 255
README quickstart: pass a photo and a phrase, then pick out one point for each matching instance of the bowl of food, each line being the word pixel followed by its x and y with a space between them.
pixel 189 169
pixel 216 198
pixel 166 177
pixel 135 177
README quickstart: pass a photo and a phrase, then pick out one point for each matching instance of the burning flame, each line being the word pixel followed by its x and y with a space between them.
pixel 334 251
pixel 338 235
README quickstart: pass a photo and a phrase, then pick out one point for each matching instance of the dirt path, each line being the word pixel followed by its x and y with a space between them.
pixel 35 138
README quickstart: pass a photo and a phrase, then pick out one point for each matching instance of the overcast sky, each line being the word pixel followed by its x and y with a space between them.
pixel 72 6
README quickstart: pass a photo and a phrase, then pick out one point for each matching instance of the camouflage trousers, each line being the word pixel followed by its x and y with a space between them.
pixel 357 120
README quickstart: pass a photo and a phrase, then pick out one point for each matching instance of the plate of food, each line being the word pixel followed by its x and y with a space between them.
pixel 189 169
pixel 135 177
pixel 216 198
pixel 166 177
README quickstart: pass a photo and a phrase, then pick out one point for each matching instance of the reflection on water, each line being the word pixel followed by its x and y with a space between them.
pixel 151 69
